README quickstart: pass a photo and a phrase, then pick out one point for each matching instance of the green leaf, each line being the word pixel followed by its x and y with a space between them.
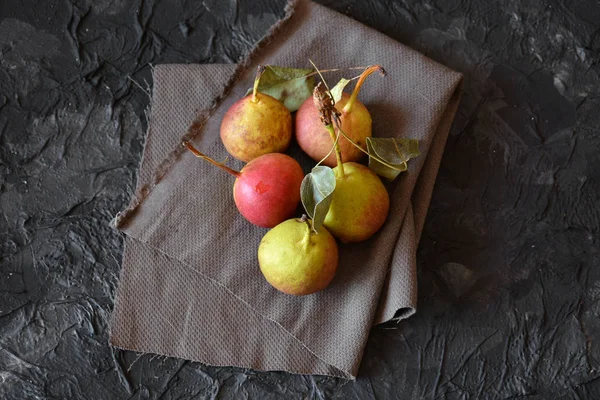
pixel 316 193
pixel 338 89
pixel 395 153
pixel 291 86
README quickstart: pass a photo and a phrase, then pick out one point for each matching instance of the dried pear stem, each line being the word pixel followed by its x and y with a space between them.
pixel 373 156
pixel 322 71
pixel 363 76
pixel 327 111
pixel 203 156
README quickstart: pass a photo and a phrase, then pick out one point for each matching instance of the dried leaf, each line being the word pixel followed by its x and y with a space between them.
pixel 316 193
pixel 291 86
pixel 394 152
pixel 338 89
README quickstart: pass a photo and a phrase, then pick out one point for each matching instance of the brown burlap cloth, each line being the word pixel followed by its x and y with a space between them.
pixel 191 286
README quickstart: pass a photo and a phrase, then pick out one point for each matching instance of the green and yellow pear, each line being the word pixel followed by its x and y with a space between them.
pixel 360 203
pixel 295 260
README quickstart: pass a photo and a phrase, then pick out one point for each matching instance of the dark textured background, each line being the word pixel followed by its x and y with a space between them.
pixel 509 285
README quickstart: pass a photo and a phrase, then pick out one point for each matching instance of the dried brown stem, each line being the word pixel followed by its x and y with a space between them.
pixel 328 113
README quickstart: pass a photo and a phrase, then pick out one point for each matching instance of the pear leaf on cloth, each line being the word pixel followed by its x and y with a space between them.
pixel 291 86
pixel 338 89
pixel 394 152
pixel 316 193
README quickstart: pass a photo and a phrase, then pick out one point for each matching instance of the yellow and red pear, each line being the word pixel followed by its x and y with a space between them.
pixel 355 120
pixel 255 125
pixel 359 206
pixel 267 190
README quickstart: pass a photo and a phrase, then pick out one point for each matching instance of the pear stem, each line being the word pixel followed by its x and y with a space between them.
pixel 361 79
pixel 198 154
pixel 373 156
pixel 328 114
pixel 306 238
pixel 337 138
pixel 259 71
pixel 338 152
pixel 332 70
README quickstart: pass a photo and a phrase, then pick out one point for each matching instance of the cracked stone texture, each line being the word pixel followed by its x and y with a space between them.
pixel 509 284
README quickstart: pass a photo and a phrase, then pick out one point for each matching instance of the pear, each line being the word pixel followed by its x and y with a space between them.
pixel 360 203
pixel 267 190
pixel 355 120
pixel 297 261
pixel 255 125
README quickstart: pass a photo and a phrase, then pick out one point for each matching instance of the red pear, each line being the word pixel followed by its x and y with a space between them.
pixel 267 190
pixel 355 120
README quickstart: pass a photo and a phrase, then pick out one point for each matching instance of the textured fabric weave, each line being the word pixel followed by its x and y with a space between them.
pixel 191 286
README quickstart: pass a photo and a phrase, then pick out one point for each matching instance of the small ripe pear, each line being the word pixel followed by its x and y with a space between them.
pixel 267 190
pixel 355 120
pixel 360 203
pixel 255 125
pixel 297 261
